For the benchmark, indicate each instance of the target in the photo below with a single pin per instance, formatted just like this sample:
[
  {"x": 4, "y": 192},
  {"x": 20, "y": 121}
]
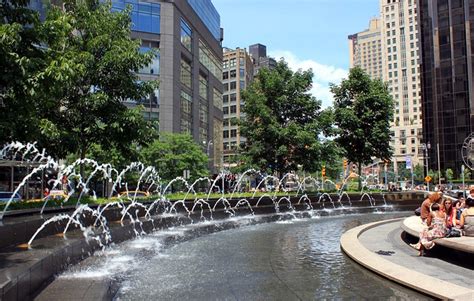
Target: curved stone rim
[{"x": 428, "y": 285}]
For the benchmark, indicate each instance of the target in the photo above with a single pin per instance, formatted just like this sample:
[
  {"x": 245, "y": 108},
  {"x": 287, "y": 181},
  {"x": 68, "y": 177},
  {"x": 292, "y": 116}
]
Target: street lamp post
[
  {"x": 426, "y": 147},
  {"x": 207, "y": 145}
]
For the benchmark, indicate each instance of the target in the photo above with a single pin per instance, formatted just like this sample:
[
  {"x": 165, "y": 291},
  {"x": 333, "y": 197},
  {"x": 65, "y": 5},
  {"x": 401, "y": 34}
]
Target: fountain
[{"x": 158, "y": 211}]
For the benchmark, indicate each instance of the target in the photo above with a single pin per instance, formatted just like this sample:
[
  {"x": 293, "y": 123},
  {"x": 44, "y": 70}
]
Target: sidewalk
[{"x": 380, "y": 248}]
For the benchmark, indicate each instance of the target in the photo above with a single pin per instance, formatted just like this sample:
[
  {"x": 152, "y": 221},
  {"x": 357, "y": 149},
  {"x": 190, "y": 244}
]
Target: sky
[{"x": 307, "y": 33}]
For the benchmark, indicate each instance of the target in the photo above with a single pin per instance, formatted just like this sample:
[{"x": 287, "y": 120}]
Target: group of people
[{"x": 445, "y": 217}]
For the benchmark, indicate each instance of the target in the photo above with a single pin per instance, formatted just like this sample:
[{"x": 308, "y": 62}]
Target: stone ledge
[
  {"x": 413, "y": 226},
  {"x": 431, "y": 286}
]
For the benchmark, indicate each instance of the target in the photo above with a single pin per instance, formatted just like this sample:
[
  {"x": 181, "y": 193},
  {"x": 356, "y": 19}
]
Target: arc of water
[
  {"x": 175, "y": 180},
  {"x": 242, "y": 202},
  {"x": 131, "y": 166},
  {"x": 201, "y": 202},
  {"x": 149, "y": 169},
  {"x": 49, "y": 221},
  {"x": 308, "y": 201},
  {"x": 287, "y": 199},
  {"x": 321, "y": 197},
  {"x": 191, "y": 188},
  {"x": 179, "y": 202},
  {"x": 237, "y": 185},
  {"x": 226, "y": 203},
  {"x": 220, "y": 176},
  {"x": 264, "y": 180},
  {"x": 265, "y": 195},
  {"x": 50, "y": 164},
  {"x": 125, "y": 211}
]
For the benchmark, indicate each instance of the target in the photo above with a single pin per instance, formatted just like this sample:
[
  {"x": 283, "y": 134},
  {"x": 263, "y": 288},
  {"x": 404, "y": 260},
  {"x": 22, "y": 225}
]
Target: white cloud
[{"x": 323, "y": 74}]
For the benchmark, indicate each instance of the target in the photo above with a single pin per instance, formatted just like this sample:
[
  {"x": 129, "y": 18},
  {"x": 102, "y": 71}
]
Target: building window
[
  {"x": 186, "y": 73},
  {"x": 145, "y": 15},
  {"x": 186, "y": 35},
  {"x": 154, "y": 67},
  {"x": 225, "y": 75},
  {"x": 202, "y": 86},
  {"x": 233, "y": 85},
  {"x": 186, "y": 112},
  {"x": 209, "y": 60},
  {"x": 233, "y": 133},
  {"x": 233, "y": 73},
  {"x": 217, "y": 99}
]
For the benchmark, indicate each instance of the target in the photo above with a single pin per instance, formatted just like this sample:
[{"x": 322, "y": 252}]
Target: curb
[{"x": 428, "y": 285}]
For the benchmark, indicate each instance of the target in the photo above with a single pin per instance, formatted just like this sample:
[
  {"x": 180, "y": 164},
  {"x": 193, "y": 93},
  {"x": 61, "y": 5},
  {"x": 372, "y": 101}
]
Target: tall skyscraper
[
  {"x": 188, "y": 36},
  {"x": 237, "y": 75},
  {"x": 365, "y": 49},
  {"x": 401, "y": 73},
  {"x": 447, "y": 41}
]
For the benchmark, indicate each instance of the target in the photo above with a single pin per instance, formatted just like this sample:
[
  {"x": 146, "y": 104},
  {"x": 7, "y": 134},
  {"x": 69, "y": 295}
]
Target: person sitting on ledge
[
  {"x": 436, "y": 222},
  {"x": 450, "y": 211},
  {"x": 460, "y": 206},
  {"x": 425, "y": 206},
  {"x": 467, "y": 218}
]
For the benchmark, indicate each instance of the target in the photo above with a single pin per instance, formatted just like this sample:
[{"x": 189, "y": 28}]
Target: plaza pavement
[{"x": 380, "y": 248}]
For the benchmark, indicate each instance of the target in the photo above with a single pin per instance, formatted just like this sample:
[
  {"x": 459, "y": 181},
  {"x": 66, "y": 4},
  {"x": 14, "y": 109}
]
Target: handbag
[{"x": 454, "y": 232}]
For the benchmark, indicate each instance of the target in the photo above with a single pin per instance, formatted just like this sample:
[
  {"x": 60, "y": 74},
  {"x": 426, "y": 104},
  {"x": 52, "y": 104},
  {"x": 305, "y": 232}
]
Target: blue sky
[{"x": 307, "y": 33}]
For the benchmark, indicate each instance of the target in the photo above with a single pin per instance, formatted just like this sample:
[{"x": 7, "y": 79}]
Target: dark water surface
[{"x": 288, "y": 260}]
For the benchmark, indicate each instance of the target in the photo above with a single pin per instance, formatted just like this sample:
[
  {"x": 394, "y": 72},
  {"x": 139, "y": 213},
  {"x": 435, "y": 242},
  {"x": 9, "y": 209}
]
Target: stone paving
[{"x": 386, "y": 240}]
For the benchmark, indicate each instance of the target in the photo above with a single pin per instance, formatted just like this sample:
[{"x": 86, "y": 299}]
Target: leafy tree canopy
[
  {"x": 363, "y": 110},
  {"x": 20, "y": 59},
  {"x": 283, "y": 122},
  {"x": 75, "y": 94},
  {"x": 174, "y": 153}
]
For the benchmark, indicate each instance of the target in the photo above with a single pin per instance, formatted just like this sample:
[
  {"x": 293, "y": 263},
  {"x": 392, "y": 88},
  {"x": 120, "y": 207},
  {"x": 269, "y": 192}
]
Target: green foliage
[
  {"x": 69, "y": 93},
  {"x": 467, "y": 173},
  {"x": 92, "y": 62},
  {"x": 174, "y": 153},
  {"x": 434, "y": 176},
  {"x": 449, "y": 174},
  {"x": 283, "y": 122},
  {"x": 20, "y": 59},
  {"x": 363, "y": 109},
  {"x": 419, "y": 173}
]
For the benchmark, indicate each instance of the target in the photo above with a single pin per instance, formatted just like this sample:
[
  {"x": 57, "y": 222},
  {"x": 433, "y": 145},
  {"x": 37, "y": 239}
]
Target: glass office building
[{"x": 446, "y": 41}]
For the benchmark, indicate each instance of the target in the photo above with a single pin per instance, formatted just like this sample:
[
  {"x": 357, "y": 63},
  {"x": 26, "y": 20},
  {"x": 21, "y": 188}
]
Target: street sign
[
  {"x": 408, "y": 162},
  {"x": 428, "y": 179}
]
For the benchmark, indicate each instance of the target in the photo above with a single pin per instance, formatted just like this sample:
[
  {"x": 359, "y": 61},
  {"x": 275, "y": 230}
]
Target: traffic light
[
  {"x": 323, "y": 171},
  {"x": 344, "y": 164}
]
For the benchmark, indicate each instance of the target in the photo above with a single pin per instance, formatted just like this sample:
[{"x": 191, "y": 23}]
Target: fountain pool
[{"x": 290, "y": 259}]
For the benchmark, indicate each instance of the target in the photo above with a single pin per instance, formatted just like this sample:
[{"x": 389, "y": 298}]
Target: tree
[
  {"x": 93, "y": 62},
  {"x": 467, "y": 173},
  {"x": 174, "y": 153},
  {"x": 419, "y": 173},
  {"x": 283, "y": 122},
  {"x": 88, "y": 68},
  {"x": 449, "y": 175},
  {"x": 20, "y": 59},
  {"x": 363, "y": 111}
]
